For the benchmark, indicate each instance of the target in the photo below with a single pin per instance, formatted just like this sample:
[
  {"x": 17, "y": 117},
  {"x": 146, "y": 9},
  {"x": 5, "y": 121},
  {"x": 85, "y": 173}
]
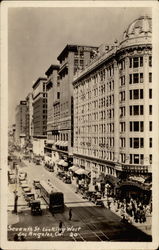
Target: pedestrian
[
  {"x": 60, "y": 227},
  {"x": 70, "y": 213}
]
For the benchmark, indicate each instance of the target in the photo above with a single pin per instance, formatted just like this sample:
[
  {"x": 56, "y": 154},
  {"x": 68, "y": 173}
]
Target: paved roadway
[{"x": 89, "y": 223}]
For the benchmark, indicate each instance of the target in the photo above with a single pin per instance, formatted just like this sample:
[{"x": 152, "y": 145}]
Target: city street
[{"x": 89, "y": 223}]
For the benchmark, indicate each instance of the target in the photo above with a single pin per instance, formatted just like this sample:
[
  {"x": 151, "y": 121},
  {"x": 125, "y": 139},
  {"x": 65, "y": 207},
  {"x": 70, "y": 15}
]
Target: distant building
[
  {"x": 113, "y": 113},
  {"x": 72, "y": 59},
  {"x": 29, "y": 117},
  {"x": 39, "y": 115},
  {"x": 20, "y": 121}
]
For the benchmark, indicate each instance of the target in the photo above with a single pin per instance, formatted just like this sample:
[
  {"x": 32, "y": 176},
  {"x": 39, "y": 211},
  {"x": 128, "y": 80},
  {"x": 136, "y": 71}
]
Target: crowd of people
[{"x": 130, "y": 211}]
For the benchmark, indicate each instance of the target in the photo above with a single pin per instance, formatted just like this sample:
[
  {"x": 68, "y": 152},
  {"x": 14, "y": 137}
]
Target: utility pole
[{"x": 15, "y": 191}]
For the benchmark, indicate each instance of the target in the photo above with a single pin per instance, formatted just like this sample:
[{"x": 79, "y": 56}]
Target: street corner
[{"x": 12, "y": 218}]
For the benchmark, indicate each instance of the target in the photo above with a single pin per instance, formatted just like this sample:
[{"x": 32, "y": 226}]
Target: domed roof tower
[{"x": 140, "y": 26}]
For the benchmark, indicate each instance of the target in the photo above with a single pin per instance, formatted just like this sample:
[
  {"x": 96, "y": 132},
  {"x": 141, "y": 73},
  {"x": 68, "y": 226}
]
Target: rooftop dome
[{"x": 138, "y": 27}]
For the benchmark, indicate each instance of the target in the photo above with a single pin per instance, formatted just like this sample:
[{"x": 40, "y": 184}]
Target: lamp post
[{"x": 15, "y": 191}]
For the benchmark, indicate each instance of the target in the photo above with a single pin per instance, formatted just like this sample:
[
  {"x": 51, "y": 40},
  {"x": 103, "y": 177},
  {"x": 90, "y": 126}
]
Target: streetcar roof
[{"x": 48, "y": 187}]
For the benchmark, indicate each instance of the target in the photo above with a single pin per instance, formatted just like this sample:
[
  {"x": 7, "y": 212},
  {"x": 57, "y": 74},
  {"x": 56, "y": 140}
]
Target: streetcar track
[{"x": 89, "y": 226}]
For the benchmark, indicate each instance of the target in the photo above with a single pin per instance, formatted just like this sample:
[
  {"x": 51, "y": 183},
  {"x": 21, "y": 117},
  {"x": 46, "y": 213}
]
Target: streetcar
[{"x": 52, "y": 196}]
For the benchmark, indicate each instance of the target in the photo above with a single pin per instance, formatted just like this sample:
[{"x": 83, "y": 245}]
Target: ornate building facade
[{"x": 113, "y": 110}]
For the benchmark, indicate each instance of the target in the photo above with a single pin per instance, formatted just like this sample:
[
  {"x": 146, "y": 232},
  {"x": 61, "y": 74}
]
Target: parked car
[
  {"x": 35, "y": 207},
  {"x": 36, "y": 184},
  {"x": 89, "y": 194},
  {"x": 67, "y": 179},
  {"x": 96, "y": 198},
  {"x": 22, "y": 176},
  {"x": 29, "y": 197}
]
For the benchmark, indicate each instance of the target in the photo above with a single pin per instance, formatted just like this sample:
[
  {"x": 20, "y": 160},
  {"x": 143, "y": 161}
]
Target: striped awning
[
  {"x": 73, "y": 168},
  {"x": 81, "y": 171}
]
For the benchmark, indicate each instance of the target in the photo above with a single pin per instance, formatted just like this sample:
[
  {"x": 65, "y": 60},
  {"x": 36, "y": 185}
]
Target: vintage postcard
[{"x": 79, "y": 125}]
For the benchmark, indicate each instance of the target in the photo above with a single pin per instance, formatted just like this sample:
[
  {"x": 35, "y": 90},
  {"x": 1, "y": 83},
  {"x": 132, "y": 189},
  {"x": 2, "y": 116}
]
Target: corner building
[{"x": 113, "y": 114}]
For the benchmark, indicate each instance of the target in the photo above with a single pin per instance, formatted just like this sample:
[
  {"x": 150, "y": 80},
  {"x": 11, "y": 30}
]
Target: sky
[{"x": 36, "y": 36}]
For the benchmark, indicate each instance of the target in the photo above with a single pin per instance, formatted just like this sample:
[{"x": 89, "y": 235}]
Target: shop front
[
  {"x": 111, "y": 183},
  {"x": 140, "y": 192}
]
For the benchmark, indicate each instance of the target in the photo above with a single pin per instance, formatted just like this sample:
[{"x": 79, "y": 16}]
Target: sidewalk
[{"x": 145, "y": 227}]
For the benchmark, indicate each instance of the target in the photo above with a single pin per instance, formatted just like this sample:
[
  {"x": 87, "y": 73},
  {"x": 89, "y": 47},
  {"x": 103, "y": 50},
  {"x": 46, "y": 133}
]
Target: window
[
  {"x": 141, "y": 61},
  {"x": 136, "y": 110},
  {"x": 150, "y": 159},
  {"x": 150, "y": 61},
  {"x": 122, "y": 126},
  {"x": 130, "y": 79},
  {"x": 136, "y": 159},
  {"x": 141, "y": 159},
  {"x": 141, "y": 109},
  {"x": 130, "y": 62},
  {"x": 135, "y": 62},
  {"x": 136, "y": 126},
  {"x": 150, "y": 77},
  {"x": 150, "y": 93},
  {"x": 135, "y": 78},
  {"x": 141, "y": 78},
  {"x": 142, "y": 126},
  {"x": 141, "y": 94},
  {"x": 150, "y": 142},
  {"x": 141, "y": 142},
  {"x": 150, "y": 126},
  {"x": 150, "y": 109},
  {"x": 58, "y": 95},
  {"x": 136, "y": 142},
  {"x": 136, "y": 94}
]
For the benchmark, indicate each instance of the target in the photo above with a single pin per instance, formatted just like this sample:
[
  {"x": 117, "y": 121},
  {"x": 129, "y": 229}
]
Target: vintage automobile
[
  {"x": 67, "y": 179},
  {"x": 29, "y": 197},
  {"x": 35, "y": 207},
  {"x": 22, "y": 176},
  {"x": 61, "y": 175},
  {"x": 36, "y": 184},
  {"x": 96, "y": 198},
  {"x": 88, "y": 195},
  {"x": 11, "y": 177}
]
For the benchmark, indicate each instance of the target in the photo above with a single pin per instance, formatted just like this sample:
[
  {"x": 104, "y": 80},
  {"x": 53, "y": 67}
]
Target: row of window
[
  {"x": 130, "y": 159},
  {"x": 138, "y": 78},
  {"x": 139, "y": 142},
  {"x": 108, "y": 142}
]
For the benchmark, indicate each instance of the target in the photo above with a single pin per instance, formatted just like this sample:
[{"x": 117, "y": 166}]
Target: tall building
[
  {"x": 20, "y": 121},
  {"x": 72, "y": 58},
  {"x": 39, "y": 115},
  {"x": 29, "y": 117},
  {"x": 53, "y": 111},
  {"x": 113, "y": 113}
]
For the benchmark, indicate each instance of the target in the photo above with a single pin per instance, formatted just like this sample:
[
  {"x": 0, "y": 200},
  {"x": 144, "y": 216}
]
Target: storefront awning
[
  {"x": 81, "y": 171},
  {"x": 65, "y": 144},
  {"x": 57, "y": 143},
  {"x": 61, "y": 162},
  {"x": 73, "y": 168},
  {"x": 65, "y": 164}
]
